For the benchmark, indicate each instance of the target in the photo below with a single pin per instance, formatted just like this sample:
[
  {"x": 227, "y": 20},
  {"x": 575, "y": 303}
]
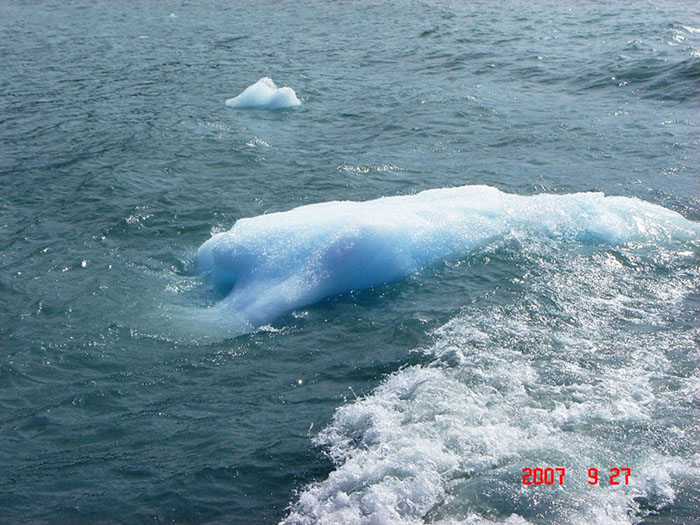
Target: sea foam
[
  {"x": 550, "y": 377},
  {"x": 264, "y": 94},
  {"x": 274, "y": 263}
]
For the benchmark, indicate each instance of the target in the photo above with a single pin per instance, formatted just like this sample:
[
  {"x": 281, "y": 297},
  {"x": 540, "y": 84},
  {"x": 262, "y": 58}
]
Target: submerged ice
[
  {"x": 264, "y": 94},
  {"x": 274, "y": 263}
]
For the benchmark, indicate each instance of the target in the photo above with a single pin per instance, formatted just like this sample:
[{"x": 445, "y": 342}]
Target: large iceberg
[
  {"x": 274, "y": 263},
  {"x": 264, "y": 94}
]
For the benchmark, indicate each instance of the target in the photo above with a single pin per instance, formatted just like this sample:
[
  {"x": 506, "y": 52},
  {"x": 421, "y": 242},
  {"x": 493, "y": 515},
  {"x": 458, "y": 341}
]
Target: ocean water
[{"x": 382, "y": 361}]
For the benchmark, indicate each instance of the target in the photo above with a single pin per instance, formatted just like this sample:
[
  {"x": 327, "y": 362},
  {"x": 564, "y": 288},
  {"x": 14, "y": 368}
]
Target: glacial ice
[
  {"x": 274, "y": 263},
  {"x": 264, "y": 94}
]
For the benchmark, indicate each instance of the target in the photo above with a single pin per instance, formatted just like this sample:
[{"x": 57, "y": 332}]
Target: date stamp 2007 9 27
[{"x": 552, "y": 476}]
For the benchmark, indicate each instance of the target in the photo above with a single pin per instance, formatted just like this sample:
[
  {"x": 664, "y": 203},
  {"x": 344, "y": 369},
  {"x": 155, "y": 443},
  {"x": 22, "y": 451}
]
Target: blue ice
[
  {"x": 275, "y": 263},
  {"x": 264, "y": 94}
]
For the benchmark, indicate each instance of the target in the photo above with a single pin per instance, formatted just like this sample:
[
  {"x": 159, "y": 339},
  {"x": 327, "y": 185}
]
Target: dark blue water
[{"x": 418, "y": 400}]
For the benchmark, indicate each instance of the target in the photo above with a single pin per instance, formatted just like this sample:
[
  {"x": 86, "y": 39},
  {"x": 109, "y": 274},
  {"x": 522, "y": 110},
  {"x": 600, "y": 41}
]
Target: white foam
[
  {"x": 549, "y": 379},
  {"x": 264, "y": 94},
  {"x": 275, "y": 263}
]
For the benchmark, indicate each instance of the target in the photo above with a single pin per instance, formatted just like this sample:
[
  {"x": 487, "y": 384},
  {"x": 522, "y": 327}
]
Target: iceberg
[
  {"x": 264, "y": 94},
  {"x": 274, "y": 263}
]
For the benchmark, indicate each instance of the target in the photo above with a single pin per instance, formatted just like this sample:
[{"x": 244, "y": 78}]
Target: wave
[
  {"x": 655, "y": 77},
  {"x": 271, "y": 264},
  {"x": 264, "y": 94},
  {"x": 587, "y": 363}
]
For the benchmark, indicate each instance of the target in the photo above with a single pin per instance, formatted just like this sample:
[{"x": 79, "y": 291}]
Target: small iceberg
[
  {"x": 271, "y": 264},
  {"x": 264, "y": 94}
]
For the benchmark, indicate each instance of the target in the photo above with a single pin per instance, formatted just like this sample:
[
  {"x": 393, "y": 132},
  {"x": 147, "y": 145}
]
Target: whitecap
[{"x": 553, "y": 378}]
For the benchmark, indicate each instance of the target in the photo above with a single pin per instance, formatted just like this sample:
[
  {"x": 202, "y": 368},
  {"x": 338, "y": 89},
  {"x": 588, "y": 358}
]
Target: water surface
[{"x": 418, "y": 400}]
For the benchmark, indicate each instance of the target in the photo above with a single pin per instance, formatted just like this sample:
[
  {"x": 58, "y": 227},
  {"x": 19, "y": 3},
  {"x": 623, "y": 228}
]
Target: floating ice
[
  {"x": 274, "y": 263},
  {"x": 264, "y": 94}
]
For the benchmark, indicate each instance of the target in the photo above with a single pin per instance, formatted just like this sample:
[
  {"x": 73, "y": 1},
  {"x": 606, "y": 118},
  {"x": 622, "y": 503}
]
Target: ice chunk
[
  {"x": 264, "y": 94},
  {"x": 274, "y": 263}
]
